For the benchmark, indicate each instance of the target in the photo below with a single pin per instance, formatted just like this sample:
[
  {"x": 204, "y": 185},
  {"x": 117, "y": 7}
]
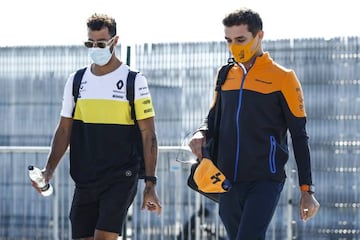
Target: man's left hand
[
  {"x": 308, "y": 206},
  {"x": 150, "y": 200}
]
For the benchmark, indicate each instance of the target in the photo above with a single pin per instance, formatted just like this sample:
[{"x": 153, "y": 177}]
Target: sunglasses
[{"x": 99, "y": 44}]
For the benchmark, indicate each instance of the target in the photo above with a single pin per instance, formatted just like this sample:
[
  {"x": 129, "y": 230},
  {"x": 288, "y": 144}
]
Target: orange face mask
[{"x": 243, "y": 53}]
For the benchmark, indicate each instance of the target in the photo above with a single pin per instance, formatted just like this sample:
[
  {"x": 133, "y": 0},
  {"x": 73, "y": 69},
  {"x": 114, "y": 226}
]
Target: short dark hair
[
  {"x": 97, "y": 22},
  {"x": 244, "y": 16}
]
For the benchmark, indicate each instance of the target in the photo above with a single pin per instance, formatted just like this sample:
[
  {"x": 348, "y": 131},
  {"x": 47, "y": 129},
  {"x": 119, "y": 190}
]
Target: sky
[{"x": 63, "y": 22}]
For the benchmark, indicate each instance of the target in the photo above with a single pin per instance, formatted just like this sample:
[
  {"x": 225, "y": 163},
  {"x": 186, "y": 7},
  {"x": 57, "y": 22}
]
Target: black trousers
[{"x": 247, "y": 209}]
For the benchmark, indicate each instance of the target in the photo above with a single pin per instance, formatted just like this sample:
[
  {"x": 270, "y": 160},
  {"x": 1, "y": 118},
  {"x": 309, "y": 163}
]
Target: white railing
[{"x": 24, "y": 214}]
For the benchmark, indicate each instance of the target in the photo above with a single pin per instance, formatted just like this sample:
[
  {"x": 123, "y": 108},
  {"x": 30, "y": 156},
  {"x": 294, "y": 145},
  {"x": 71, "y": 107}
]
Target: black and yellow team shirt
[{"x": 102, "y": 146}]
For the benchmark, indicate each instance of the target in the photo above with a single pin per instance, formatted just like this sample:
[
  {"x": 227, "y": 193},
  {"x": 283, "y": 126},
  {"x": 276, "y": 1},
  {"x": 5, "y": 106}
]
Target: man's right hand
[
  {"x": 309, "y": 206},
  {"x": 196, "y": 143},
  {"x": 47, "y": 175},
  {"x": 34, "y": 184}
]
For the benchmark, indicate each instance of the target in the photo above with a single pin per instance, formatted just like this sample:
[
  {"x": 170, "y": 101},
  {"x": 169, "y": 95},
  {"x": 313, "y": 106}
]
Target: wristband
[
  {"x": 152, "y": 179},
  {"x": 307, "y": 188}
]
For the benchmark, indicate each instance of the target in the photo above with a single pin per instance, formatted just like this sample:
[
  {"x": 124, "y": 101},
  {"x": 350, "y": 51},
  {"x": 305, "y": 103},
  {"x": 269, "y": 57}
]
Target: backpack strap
[
  {"x": 219, "y": 82},
  {"x": 130, "y": 96},
  {"x": 130, "y": 92},
  {"x": 76, "y": 85},
  {"x": 222, "y": 75}
]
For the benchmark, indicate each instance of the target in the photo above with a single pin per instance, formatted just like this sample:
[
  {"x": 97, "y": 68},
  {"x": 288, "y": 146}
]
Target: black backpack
[{"x": 130, "y": 96}]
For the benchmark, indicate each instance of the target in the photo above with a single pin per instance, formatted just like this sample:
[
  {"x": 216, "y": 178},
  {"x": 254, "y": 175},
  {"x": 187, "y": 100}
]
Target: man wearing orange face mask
[{"x": 261, "y": 102}]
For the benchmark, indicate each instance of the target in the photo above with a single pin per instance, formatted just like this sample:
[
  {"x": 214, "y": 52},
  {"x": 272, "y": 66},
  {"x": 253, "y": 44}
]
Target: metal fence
[
  {"x": 25, "y": 214},
  {"x": 181, "y": 78}
]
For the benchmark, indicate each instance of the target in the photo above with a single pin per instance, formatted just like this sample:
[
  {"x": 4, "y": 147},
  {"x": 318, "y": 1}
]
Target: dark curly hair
[
  {"x": 244, "y": 16},
  {"x": 99, "y": 21}
]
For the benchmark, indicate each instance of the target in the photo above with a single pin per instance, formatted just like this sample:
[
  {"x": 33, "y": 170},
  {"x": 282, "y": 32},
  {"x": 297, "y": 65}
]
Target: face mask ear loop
[
  {"x": 258, "y": 42},
  {"x": 112, "y": 51},
  {"x": 112, "y": 46}
]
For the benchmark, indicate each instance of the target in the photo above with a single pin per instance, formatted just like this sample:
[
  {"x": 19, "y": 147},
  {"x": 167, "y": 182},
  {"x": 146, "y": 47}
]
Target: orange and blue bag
[{"x": 207, "y": 179}]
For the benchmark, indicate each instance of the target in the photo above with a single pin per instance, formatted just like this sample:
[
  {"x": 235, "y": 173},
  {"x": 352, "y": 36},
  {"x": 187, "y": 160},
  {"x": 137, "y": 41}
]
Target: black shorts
[{"x": 103, "y": 207}]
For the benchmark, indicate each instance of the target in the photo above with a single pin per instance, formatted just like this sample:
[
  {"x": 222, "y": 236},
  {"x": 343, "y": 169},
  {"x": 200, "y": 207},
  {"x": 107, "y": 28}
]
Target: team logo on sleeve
[
  {"x": 300, "y": 99},
  {"x": 144, "y": 91},
  {"x": 147, "y": 101}
]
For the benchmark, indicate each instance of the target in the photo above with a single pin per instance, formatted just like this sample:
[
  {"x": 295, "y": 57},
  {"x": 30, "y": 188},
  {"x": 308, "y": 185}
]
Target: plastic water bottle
[{"x": 36, "y": 175}]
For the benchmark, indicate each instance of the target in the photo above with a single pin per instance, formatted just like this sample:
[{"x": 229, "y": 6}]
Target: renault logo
[{"x": 119, "y": 84}]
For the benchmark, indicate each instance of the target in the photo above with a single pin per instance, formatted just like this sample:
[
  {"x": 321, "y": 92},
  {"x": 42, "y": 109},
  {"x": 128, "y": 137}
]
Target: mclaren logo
[
  {"x": 120, "y": 84},
  {"x": 216, "y": 178},
  {"x": 263, "y": 81}
]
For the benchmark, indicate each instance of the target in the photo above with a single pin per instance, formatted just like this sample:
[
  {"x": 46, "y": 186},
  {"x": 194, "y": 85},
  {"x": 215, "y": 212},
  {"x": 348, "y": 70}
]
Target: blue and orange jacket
[{"x": 258, "y": 108}]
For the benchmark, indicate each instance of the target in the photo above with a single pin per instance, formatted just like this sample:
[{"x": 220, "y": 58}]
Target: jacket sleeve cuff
[{"x": 203, "y": 127}]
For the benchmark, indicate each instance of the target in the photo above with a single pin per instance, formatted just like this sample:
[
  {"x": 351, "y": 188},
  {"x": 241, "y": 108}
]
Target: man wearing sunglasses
[{"x": 100, "y": 132}]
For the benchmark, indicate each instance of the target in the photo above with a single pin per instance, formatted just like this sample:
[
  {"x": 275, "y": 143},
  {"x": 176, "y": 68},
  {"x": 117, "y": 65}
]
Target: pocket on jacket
[{"x": 272, "y": 154}]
